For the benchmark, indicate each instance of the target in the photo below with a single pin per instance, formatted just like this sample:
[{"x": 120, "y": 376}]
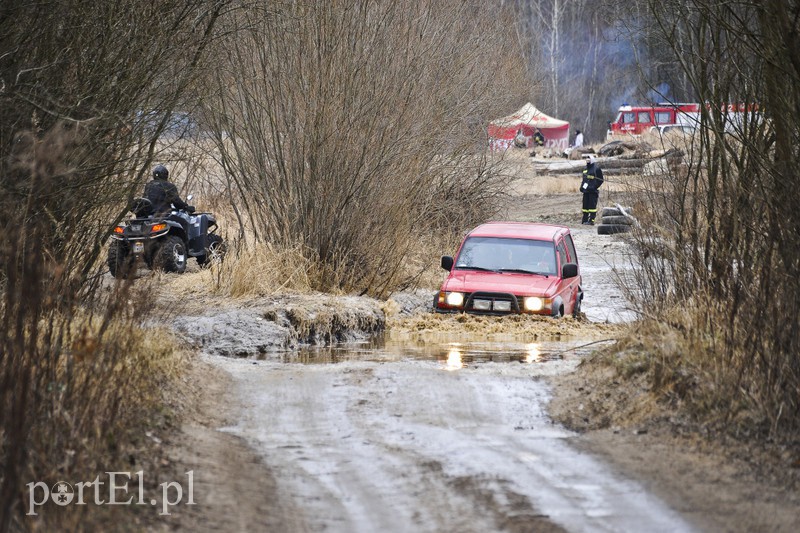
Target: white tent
[{"x": 555, "y": 131}]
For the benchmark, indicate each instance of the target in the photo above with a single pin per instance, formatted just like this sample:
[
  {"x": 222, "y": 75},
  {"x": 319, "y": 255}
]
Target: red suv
[{"x": 513, "y": 267}]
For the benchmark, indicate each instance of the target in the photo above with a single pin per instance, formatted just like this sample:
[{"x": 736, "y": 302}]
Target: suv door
[
  {"x": 573, "y": 255},
  {"x": 572, "y": 286}
]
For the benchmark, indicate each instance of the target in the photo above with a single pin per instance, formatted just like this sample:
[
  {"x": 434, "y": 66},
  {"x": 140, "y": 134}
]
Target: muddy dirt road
[
  {"x": 441, "y": 426},
  {"x": 440, "y": 431},
  {"x": 426, "y": 446}
]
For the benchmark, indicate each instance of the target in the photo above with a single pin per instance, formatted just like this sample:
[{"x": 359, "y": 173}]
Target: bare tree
[
  {"x": 725, "y": 241},
  {"x": 353, "y": 129},
  {"x": 86, "y": 88}
]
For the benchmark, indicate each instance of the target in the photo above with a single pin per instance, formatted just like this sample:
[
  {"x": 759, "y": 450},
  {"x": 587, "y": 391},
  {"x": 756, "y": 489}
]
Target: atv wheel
[
  {"x": 215, "y": 251},
  {"x": 172, "y": 255},
  {"x": 120, "y": 260}
]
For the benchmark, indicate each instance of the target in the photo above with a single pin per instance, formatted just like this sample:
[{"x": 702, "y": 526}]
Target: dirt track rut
[{"x": 411, "y": 446}]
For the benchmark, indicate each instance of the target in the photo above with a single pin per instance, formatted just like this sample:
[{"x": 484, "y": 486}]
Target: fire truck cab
[{"x": 635, "y": 120}]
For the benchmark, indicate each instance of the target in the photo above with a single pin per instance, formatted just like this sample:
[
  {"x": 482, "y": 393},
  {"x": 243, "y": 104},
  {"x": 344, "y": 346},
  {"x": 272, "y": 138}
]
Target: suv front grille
[{"x": 492, "y": 303}]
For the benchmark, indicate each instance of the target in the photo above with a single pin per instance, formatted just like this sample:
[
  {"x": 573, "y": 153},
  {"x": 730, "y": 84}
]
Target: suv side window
[
  {"x": 573, "y": 257},
  {"x": 562, "y": 255}
]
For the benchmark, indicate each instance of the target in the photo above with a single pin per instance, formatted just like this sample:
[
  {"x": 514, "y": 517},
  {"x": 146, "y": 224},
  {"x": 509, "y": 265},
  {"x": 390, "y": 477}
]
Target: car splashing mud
[{"x": 521, "y": 326}]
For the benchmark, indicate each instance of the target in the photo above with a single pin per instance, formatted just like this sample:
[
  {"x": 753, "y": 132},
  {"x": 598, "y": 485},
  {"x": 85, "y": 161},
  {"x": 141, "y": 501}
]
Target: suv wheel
[{"x": 576, "y": 310}]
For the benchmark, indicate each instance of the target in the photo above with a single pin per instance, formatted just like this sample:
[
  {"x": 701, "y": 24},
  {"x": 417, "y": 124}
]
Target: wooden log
[{"x": 573, "y": 167}]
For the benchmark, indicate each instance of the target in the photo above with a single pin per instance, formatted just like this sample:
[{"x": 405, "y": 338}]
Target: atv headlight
[
  {"x": 157, "y": 227},
  {"x": 454, "y": 299},
  {"x": 534, "y": 303},
  {"x": 119, "y": 230}
]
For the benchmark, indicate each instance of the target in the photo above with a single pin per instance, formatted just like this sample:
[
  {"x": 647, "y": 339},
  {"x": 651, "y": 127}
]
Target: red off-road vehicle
[{"x": 513, "y": 267}]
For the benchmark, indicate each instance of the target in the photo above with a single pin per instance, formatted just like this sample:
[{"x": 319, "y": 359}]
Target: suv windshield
[{"x": 503, "y": 254}]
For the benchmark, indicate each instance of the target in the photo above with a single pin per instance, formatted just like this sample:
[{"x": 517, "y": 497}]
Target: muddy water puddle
[{"x": 451, "y": 352}]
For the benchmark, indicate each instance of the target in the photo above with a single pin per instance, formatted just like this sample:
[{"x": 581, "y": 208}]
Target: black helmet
[{"x": 160, "y": 173}]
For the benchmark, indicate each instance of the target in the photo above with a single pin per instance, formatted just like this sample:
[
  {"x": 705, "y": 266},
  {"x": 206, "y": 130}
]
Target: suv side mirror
[
  {"x": 447, "y": 262},
  {"x": 570, "y": 270}
]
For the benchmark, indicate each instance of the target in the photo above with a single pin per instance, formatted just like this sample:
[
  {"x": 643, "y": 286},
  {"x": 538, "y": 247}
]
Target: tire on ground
[
  {"x": 618, "y": 220},
  {"x": 610, "y": 229},
  {"x": 614, "y": 212}
]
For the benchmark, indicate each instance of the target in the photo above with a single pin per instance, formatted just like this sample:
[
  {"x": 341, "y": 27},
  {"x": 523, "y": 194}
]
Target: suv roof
[{"x": 519, "y": 230}]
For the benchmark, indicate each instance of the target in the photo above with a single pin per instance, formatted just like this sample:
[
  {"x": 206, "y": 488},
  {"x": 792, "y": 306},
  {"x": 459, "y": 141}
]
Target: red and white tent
[{"x": 503, "y": 130}]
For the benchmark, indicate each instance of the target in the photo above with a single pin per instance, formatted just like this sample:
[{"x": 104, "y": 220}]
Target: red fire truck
[{"x": 635, "y": 120}]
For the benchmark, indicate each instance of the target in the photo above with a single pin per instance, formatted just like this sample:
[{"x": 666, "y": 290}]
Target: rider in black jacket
[
  {"x": 163, "y": 194},
  {"x": 592, "y": 180}
]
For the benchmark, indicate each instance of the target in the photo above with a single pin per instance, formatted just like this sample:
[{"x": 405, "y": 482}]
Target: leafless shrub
[
  {"x": 721, "y": 242},
  {"x": 86, "y": 90},
  {"x": 66, "y": 370},
  {"x": 350, "y": 130}
]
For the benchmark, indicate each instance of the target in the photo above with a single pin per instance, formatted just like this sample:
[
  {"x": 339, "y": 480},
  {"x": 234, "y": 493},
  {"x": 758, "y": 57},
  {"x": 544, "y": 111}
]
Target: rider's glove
[{"x": 190, "y": 208}]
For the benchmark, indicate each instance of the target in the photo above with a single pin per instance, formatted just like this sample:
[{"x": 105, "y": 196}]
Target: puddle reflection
[
  {"x": 452, "y": 355},
  {"x": 534, "y": 354},
  {"x": 454, "y": 361}
]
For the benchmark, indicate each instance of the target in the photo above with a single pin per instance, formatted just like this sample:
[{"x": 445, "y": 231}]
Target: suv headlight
[
  {"x": 534, "y": 303},
  {"x": 454, "y": 299}
]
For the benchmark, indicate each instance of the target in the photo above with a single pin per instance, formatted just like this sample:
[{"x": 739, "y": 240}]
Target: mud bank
[
  {"x": 266, "y": 327},
  {"x": 719, "y": 484}
]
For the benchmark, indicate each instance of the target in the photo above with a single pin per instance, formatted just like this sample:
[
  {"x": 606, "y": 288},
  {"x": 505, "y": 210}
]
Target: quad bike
[{"x": 165, "y": 242}]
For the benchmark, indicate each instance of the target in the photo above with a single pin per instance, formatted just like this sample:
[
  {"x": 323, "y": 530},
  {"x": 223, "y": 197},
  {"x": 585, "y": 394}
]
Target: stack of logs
[{"x": 617, "y": 157}]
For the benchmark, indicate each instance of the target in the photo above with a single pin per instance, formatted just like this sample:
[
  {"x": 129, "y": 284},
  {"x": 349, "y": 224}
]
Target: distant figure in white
[
  {"x": 577, "y": 144},
  {"x": 578, "y": 139},
  {"x": 520, "y": 139}
]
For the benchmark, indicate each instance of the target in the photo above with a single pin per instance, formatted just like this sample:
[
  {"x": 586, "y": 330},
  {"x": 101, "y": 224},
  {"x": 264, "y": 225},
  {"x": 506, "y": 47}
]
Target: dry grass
[
  {"x": 263, "y": 269},
  {"x": 100, "y": 397},
  {"x": 680, "y": 372},
  {"x": 256, "y": 269}
]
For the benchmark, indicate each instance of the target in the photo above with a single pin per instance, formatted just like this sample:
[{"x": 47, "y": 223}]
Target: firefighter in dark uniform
[
  {"x": 163, "y": 194},
  {"x": 538, "y": 138},
  {"x": 592, "y": 180}
]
